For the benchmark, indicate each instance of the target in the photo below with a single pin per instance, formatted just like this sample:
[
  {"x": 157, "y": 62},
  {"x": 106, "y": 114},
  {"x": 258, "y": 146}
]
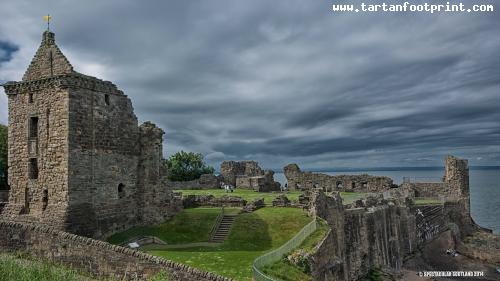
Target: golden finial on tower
[{"x": 47, "y": 18}]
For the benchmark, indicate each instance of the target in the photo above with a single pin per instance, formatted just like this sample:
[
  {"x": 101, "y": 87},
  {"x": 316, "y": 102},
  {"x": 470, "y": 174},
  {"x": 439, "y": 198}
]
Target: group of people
[{"x": 227, "y": 187}]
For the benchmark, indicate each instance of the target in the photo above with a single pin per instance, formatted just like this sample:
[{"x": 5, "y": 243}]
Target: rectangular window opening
[
  {"x": 45, "y": 199},
  {"x": 48, "y": 123},
  {"x": 33, "y": 169},
  {"x": 33, "y": 128}
]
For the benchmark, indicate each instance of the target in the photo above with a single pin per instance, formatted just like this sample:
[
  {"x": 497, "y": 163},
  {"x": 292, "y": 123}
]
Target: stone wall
[
  {"x": 361, "y": 238},
  {"x": 78, "y": 160},
  {"x": 96, "y": 257},
  {"x": 4, "y": 195},
  {"x": 248, "y": 175},
  {"x": 193, "y": 201},
  {"x": 298, "y": 180},
  {"x": 45, "y": 143},
  {"x": 207, "y": 181},
  {"x": 454, "y": 185},
  {"x": 379, "y": 233}
]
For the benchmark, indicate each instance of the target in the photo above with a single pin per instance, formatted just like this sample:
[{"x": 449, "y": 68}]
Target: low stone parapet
[
  {"x": 98, "y": 258},
  {"x": 192, "y": 201}
]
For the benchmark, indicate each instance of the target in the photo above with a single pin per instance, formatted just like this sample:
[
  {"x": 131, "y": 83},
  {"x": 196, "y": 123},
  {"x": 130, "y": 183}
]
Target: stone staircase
[{"x": 222, "y": 230}]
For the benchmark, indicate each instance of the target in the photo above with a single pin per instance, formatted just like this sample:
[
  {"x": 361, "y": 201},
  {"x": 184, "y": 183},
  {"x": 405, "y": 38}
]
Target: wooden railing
[{"x": 216, "y": 224}]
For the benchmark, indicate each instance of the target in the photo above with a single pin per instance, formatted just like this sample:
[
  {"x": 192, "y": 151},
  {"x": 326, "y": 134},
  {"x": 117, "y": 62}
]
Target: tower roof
[{"x": 48, "y": 61}]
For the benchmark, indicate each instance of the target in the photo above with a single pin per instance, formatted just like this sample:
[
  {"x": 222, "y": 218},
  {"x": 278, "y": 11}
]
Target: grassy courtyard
[
  {"x": 252, "y": 235},
  {"x": 248, "y": 195},
  {"x": 350, "y": 197},
  {"x": 189, "y": 226},
  {"x": 428, "y": 201}
]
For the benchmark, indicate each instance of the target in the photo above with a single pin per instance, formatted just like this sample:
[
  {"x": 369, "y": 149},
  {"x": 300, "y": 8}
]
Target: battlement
[{"x": 63, "y": 81}]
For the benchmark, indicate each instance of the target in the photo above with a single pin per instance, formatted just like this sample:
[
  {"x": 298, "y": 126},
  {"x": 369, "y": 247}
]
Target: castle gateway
[{"x": 78, "y": 161}]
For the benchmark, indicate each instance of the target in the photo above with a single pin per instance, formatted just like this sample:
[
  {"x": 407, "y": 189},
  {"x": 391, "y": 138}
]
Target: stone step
[{"x": 223, "y": 229}]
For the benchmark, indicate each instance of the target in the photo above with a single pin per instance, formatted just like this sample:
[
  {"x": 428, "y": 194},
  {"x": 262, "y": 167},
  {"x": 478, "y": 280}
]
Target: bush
[{"x": 187, "y": 166}]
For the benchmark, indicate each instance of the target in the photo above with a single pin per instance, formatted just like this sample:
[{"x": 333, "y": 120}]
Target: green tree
[
  {"x": 186, "y": 166},
  {"x": 3, "y": 156}
]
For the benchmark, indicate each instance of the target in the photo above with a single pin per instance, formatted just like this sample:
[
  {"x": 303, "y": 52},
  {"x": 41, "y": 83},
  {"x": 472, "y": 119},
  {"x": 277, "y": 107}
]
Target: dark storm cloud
[
  {"x": 287, "y": 82},
  {"x": 6, "y": 51}
]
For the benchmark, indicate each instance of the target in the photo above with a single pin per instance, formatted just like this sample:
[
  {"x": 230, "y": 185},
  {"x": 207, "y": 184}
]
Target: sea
[{"x": 484, "y": 188}]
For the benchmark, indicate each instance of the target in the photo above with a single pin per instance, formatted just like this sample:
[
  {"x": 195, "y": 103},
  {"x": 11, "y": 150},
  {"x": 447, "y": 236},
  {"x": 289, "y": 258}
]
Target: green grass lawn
[
  {"x": 252, "y": 235},
  {"x": 428, "y": 201},
  {"x": 22, "y": 269},
  {"x": 283, "y": 270},
  {"x": 191, "y": 225},
  {"x": 350, "y": 197},
  {"x": 248, "y": 195}
]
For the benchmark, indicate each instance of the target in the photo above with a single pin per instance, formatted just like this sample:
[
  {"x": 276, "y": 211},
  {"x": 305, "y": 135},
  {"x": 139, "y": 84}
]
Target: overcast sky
[{"x": 283, "y": 81}]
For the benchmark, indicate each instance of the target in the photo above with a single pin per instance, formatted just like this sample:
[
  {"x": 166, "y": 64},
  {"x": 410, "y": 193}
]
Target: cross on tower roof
[{"x": 47, "y": 18}]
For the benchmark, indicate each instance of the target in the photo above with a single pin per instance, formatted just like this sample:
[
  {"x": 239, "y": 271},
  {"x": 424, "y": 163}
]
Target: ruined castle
[{"x": 78, "y": 160}]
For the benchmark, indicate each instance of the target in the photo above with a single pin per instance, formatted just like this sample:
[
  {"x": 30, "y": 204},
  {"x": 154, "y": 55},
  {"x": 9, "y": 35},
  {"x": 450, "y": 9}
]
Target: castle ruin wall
[
  {"x": 98, "y": 258},
  {"x": 299, "y": 180}
]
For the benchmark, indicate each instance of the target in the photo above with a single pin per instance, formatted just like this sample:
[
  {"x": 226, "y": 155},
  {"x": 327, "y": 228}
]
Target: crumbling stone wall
[
  {"x": 206, "y": 181},
  {"x": 99, "y": 258},
  {"x": 193, "y": 201},
  {"x": 97, "y": 171},
  {"x": 457, "y": 175},
  {"x": 300, "y": 180},
  {"x": 231, "y": 169},
  {"x": 360, "y": 238},
  {"x": 248, "y": 174},
  {"x": 379, "y": 232},
  {"x": 455, "y": 183}
]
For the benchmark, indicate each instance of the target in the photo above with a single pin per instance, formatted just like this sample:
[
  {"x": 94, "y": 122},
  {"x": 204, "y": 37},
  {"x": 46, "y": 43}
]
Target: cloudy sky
[{"x": 283, "y": 81}]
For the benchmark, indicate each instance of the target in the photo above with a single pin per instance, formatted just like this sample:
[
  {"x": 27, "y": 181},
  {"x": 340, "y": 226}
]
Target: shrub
[{"x": 186, "y": 166}]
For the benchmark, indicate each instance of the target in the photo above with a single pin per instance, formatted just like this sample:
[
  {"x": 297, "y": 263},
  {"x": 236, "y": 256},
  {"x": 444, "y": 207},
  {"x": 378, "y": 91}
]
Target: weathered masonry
[
  {"x": 299, "y": 180},
  {"x": 455, "y": 182},
  {"x": 78, "y": 161},
  {"x": 248, "y": 175}
]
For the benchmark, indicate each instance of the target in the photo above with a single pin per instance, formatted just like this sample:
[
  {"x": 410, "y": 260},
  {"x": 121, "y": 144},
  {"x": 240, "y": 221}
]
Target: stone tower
[
  {"x": 78, "y": 160},
  {"x": 456, "y": 174}
]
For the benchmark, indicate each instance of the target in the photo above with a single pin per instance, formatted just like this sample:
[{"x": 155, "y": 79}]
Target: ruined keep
[
  {"x": 78, "y": 161},
  {"x": 248, "y": 174},
  {"x": 300, "y": 180},
  {"x": 454, "y": 184}
]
